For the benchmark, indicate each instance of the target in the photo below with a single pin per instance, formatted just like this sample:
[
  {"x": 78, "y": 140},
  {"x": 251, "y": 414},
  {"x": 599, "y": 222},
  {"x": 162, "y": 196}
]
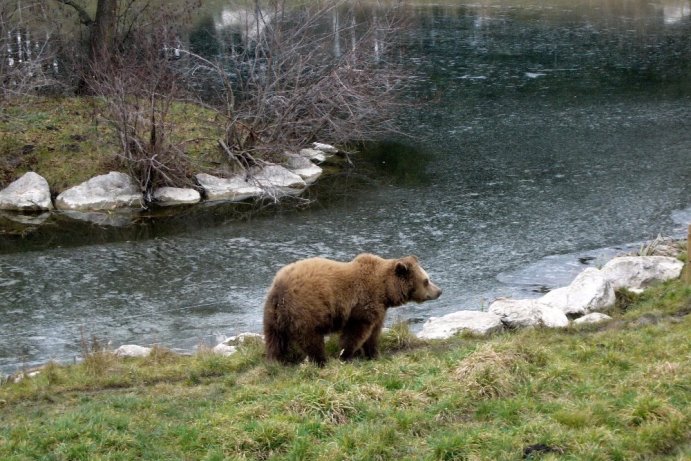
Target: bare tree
[
  {"x": 103, "y": 26},
  {"x": 28, "y": 49}
]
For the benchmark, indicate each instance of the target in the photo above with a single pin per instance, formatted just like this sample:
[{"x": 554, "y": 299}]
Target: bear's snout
[{"x": 434, "y": 292}]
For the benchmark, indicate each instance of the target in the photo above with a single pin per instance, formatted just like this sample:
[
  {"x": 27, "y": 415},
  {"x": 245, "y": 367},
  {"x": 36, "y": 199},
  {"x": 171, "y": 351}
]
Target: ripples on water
[{"x": 546, "y": 135}]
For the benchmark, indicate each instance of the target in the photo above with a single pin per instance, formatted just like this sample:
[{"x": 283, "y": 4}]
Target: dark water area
[{"x": 540, "y": 133}]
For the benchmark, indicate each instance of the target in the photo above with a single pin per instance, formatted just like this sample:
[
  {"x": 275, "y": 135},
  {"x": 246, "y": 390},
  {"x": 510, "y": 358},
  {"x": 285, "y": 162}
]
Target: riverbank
[
  {"x": 66, "y": 141},
  {"x": 617, "y": 390},
  {"x": 59, "y": 166}
]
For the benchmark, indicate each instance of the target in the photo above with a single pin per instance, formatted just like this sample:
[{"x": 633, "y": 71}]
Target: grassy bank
[
  {"x": 67, "y": 140},
  {"x": 615, "y": 391}
]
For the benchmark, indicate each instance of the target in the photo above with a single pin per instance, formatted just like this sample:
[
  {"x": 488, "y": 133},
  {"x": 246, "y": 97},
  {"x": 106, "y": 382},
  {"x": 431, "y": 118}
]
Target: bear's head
[{"x": 413, "y": 281}]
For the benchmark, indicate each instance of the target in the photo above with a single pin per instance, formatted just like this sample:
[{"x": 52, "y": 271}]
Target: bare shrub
[
  {"x": 138, "y": 87},
  {"x": 138, "y": 98},
  {"x": 293, "y": 75}
]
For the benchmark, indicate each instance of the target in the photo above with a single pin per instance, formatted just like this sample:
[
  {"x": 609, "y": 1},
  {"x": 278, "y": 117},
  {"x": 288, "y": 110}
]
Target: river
[{"x": 542, "y": 132}]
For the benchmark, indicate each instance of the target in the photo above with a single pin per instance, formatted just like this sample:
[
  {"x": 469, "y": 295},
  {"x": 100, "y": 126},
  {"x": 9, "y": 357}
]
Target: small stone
[
  {"x": 554, "y": 318},
  {"x": 326, "y": 148},
  {"x": 241, "y": 338},
  {"x": 224, "y": 349},
  {"x": 593, "y": 317},
  {"x": 132, "y": 350},
  {"x": 589, "y": 291},
  {"x": 301, "y": 166},
  {"x": 234, "y": 189},
  {"x": 517, "y": 313},
  {"x": 169, "y": 196},
  {"x": 276, "y": 181},
  {"x": 313, "y": 155},
  {"x": 520, "y": 313}
]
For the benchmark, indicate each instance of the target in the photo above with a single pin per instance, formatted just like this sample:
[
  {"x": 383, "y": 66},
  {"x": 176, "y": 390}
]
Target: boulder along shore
[{"x": 28, "y": 200}]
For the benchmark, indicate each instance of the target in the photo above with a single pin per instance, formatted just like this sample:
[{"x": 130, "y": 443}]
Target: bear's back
[{"x": 312, "y": 277}]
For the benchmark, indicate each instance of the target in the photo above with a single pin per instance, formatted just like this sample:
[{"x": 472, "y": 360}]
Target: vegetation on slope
[
  {"x": 67, "y": 141},
  {"x": 620, "y": 390}
]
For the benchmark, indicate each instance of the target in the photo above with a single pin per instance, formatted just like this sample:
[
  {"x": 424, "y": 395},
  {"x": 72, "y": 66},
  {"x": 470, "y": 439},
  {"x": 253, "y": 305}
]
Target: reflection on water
[
  {"x": 546, "y": 129},
  {"x": 676, "y": 12}
]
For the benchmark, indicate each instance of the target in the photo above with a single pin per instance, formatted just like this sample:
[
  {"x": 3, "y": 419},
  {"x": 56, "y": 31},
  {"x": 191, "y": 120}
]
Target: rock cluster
[
  {"x": 590, "y": 292},
  {"x": 116, "y": 191}
]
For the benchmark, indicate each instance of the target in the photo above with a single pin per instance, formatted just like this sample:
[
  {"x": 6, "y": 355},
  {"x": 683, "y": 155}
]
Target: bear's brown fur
[{"x": 311, "y": 298}]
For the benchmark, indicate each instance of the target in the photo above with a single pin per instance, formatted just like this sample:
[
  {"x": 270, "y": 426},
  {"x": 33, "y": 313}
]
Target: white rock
[
  {"x": 314, "y": 155},
  {"x": 554, "y": 318},
  {"x": 477, "y": 322},
  {"x": 234, "y": 189},
  {"x": 104, "y": 192},
  {"x": 593, "y": 317},
  {"x": 639, "y": 272},
  {"x": 517, "y": 313},
  {"x": 224, "y": 349},
  {"x": 132, "y": 350},
  {"x": 301, "y": 166},
  {"x": 18, "y": 378},
  {"x": 241, "y": 338},
  {"x": 326, "y": 148},
  {"x": 589, "y": 291},
  {"x": 276, "y": 181},
  {"x": 28, "y": 193},
  {"x": 168, "y": 196}
]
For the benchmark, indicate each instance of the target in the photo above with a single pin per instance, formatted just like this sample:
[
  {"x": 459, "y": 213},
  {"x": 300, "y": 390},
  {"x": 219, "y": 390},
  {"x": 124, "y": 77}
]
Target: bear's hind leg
[
  {"x": 279, "y": 346},
  {"x": 371, "y": 346},
  {"x": 277, "y": 343}
]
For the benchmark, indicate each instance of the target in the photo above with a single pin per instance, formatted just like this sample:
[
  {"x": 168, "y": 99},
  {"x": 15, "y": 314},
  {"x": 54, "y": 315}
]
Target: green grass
[
  {"x": 618, "y": 391},
  {"x": 67, "y": 140}
]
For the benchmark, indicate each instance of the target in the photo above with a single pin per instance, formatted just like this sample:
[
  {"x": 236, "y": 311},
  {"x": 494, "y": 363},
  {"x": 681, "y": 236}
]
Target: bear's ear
[{"x": 402, "y": 268}]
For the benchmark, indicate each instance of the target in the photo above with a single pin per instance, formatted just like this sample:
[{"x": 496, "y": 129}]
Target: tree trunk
[
  {"x": 101, "y": 34},
  {"x": 103, "y": 30},
  {"x": 103, "y": 26}
]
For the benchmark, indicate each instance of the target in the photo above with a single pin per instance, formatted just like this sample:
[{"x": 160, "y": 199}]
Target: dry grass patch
[{"x": 488, "y": 373}]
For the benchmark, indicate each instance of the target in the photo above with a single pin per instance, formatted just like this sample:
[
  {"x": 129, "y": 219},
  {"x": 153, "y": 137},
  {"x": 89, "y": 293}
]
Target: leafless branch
[
  {"x": 305, "y": 73},
  {"x": 84, "y": 16}
]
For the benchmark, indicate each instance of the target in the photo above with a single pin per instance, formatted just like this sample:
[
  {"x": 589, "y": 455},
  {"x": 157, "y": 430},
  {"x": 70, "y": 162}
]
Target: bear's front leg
[
  {"x": 353, "y": 337},
  {"x": 371, "y": 346}
]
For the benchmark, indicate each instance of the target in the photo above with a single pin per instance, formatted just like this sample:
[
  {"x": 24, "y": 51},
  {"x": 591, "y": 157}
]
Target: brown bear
[{"x": 311, "y": 298}]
